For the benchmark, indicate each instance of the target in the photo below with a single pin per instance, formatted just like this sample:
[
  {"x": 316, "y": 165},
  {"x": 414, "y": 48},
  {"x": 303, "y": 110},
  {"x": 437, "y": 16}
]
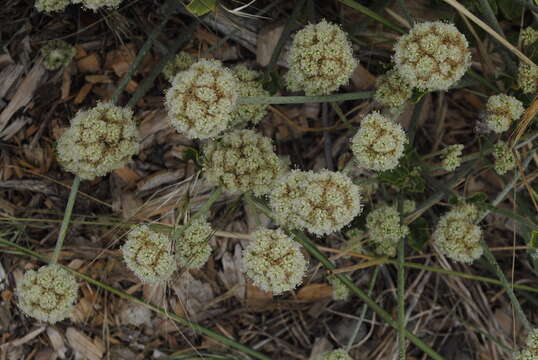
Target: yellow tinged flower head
[
  {"x": 98, "y": 141},
  {"x": 339, "y": 354},
  {"x": 192, "y": 248},
  {"x": 504, "y": 158},
  {"x": 48, "y": 294},
  {"x": 181, "y": 62},
  {"x": 249, "y": 84},
  {"x": 531, "y": 347},
  {"x": 242, "y": 161},
  {"x": 379, "y": 144},
  {"x": 457, "y": 237},
  {"x": 274, "y": 261},
  {"x": 528, "y": 36},
  {"x": 149, "y": 254},
  {"x": 432, "y": 56},
  {"x": 97, "y": 4},
  {"x": 50, "y": 6},
  {"x": 452, "y": 157},
  {"x": 501, "y": 111},
  {"x": 57, "y": 54},
  {"x": 202, "y": 99},
  {"x": 392, "y": 90},
  {"x": 527, "y": 78},
  {"x": 385, "y": 229},
  {"x": 320, "y": 59},
  {"x": 321, "y": 202}
]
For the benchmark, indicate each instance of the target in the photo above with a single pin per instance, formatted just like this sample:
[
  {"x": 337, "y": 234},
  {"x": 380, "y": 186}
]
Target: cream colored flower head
[
  {"x": 432, "y": 56},
  {"x": 97, "y": 4},
  {"x": 99, "y": 140},
  {"x": 48, "y": 294},
  {"x": 379, "y": 144},
  {"x": 320, "y": 203},
  {"x": 202, "y": 99},
  {"x": 242, "y": 161},
  {"x": 501, "y": 111},
  {"x": 149, "y": 254},
  {"x": 452, "y": 157},
  {"x": 181, "y": 62},
  {"x": 50, "y": 6},
  {"x": 249, "y": 84},
  {"x": 528, "y": 36},
  {"x": 339, "y": 354},
  {"x": 530, "y": 352},
  {"x": 527, "y": 78},
  {"x": 392, "y": 90},
  {"x": 340, "y": 290},
  {"x": 57, "y": 54},
  {"x": 385, "y": 229},
  {"x": 274, "y": 261},
  {"x": 456, "y": 235},
  {"x": 192, "y": 248},
  {"x": 504, "y": 158},
  {"x": 320, "y": 59}
]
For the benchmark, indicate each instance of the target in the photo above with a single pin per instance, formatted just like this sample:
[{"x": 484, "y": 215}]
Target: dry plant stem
[{"x": 66, "y": 220}]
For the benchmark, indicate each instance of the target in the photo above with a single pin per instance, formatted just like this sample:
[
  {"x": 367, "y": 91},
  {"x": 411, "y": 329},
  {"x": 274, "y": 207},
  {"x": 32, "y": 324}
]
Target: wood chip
[
  {"x": 84, "y": 91},
  {"x": 98, "y": 79},
  {"x": 90, "y": 64},
  {"x": 57, "y": 342},
  {"x": 84, "y": 345},
  {"x": 8, "y": 77},
  {"x": 314, "y": 292},
  {"x": 266, "y": 43}
]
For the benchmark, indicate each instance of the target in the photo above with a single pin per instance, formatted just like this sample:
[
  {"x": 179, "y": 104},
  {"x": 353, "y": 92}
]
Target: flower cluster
[
  {"x": 48, "y": 294},
  {"x": 97, "y": 4},
  {"x": 340, "y": 290},
  {"x": 98, "y": 141},
  {"x": 392, "y": 90},
  {"x": 274, "y": 261},
  {"x": 527, "y": 78},
  {"x": 528, "y": 36},
  {"x": 249, "y": 84},
  {"x": 379, "y": 143},
  {"x": 385, "y": 229},
  {"x": 320, "y": 59},
  {"x": 432, "y": 56},
  {"x": 179, "y": 63},
  {"x": 149, "y": 254},
  {"x": 50, "y": 6},
  {"x": 57, "y": 54},
  {"x": 456, "y": 235},
  {"x": 530, "y": 352},
  {"x": 202, "y": 99},
  {"x": 192, "y": 248},
  {"x": 452, "y": 157},
  {"x": 242, "y": 161},
  {"x": 339, "y": 354},
  {"x": 504, "y": 158},
  {"x": 321, "y": 202},
  {"x": 501, "y": 111}
]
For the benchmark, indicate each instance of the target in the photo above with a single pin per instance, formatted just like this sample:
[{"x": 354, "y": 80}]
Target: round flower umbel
[
  {"x": 50, "y": 6},
  {"x": 274, "y": 261},
  {"x": 501, "y": 111},
  {"x": 527, "y": 78},
  {"x": 528, "y": 36},
  {"x": 379, "y": 143},
  {"x": 432, "y": 56},
  {"x": 242, "y": 161},
  {"x": 97, "y": 4},
  {"x": 320, "y": 59},
  {"x": 149, "y": 254},
  {"x": 202, "y": 99},
  {"x": 192, "y": 248},
  {"x": 48, "y": 294},
  {"x": 456, "y": 235},
  {"x": 249, "y": 84},
  {"x": 392, "y": 90},
  {"x": 98, "y": 141},
  {"x": 321, "y": 202},
  {"x": 181, "y": 62},
  {"x": 530, "y": 352},
  {"x": 504, "y": 158},
  {"x": 339, "y": 354},
  {"x": 452, "y": 157},
  {"x": 57, "y": 54},
  {"x": 385, "y": 229}
]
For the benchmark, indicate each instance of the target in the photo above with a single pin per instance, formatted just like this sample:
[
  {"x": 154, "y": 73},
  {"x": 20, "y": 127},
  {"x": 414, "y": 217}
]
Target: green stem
[
  {"x": 363, "y": 9},
  {"x": 304, "y": 99},
  {"x": 66, "y": 220}
]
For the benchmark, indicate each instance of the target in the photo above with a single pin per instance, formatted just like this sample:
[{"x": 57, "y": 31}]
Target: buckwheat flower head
[
  {"x": 249, "y": 84},
  {"x": 98, "y": 141},
  {"x": 242, "y": 161},
  {"x": 202, "y": 99},
  {"x": 452, "y": 157},
  {"x": 321, "y": 202},
  {"x": 97, "y": 4},
  {"x": 432, "y": 56},
  {"x": 504, "y": 158},
  {"x": 456, "y": 235},
  {"x": 192, "y": 248},
  {"x": 409, "y": 206},
  {"x": 385, "y": 229},
  {"x": 181, "y": 62},
  {"x": 379, "y": 143},
  {"x": 149, "y": 254},
  {"x": 528, "y": 36},
  {"x": 392, "y": 90},
  {"x": 501, "y": 111},
  {"x": 527, "y": 78},
  {"x": 274, "y": 261},
  {"x": 339, "y": 354},
  {"x": 57, "y": 54},
  {"x": 530, "y": 352},
  {"x": 48, "y": 294},
  {"x": 320, "y": 59},
  {"x": 340, "y": 291},
  {"x": 50, "y": 6}
]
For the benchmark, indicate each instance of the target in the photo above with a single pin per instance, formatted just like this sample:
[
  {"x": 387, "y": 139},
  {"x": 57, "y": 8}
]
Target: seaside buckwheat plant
[
  {"x": 242, "y": 161},
  {"x": 50, "y": 6},
  {"x": 57, "y": 54},
  {"x": 192, "y": 248},
  {"x": 451, "y": 157},
  {"x": 149, "y": 254},
  {"x": 202, "y": 99},
  {"x": 530, "y": 352},
  {"x": 320, "y": 203},
  {"x": 528, "y": 36},
  {"x": 181, "y": 62},
  {"x": 504, "y": 158},
  {"x": 249, "y": 84},
  {"x": 392, "y": 90},
  {"x": 274, "y": 261},
  {"x": 432, "y": 56},
  {"x": 98, "y": 141},
  {"x": 340, "y": 291},
  {"x": 501, "y": 111},
  {"x": 320, "y": 59},
  {"x": 339, "y": 354},
  {"x": 456, "y": 235},
  {"x": 97, "y": 4},
  {"x": 527, "y": 78},
  {"x": 379, "y": 143},
  {"x": 48, "y": 294},
  {"x": 385, "y": 229}
]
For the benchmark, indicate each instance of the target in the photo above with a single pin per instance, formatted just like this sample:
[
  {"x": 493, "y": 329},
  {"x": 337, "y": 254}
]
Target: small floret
[
  {"x": 528, "y": 36},
  {"x": 249, "y": 84},
  {"x": 50, "y": 6},
  {"x": 501, "y": 111},
  {"x": 340, "y": 290},
  {"x": 527, "y": 78},
  {"x": 504, "y": 158},
  {"x": 392, "y": 90},
  {"x": 530, "y": 352},
  {"x": 181, "y": 62},
  {"x": 97, "y": 4},
  {"x": 192, "y": 248},
  {"x": 452, "y": 157},
  {"x": 339, "y": 354},
  {"x": 385, "y": 229},
  {"x": 57, "y": 54}
]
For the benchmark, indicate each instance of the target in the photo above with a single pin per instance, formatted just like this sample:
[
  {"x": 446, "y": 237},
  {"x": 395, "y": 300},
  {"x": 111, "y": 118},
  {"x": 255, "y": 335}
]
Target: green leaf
[
  {"x": 201, "y": 7},
  {"x": 419, "y": 233},
  {"x": 479, "y": 199},
  {"x": 533, "y": 243}
]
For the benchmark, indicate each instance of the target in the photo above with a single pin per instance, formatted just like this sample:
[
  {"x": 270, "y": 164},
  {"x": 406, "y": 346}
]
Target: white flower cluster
[
  {"x": 97, "y": 4},
  {"x": 528, "y": 36},
  {"x": 320, "y": 59},
  {"x": 452, "y": 157},
  {"x": 392, "y": 90},
  {"x": 340, "y": 290},
  {"x": 530, "y": 352},
  {"x": 339, "y": 354},
  {"x": 57, "y": 54},
  {"x": 179, "y": 63},
  {"x": 501, "y": 111},
  {"x": 60, "y": 5},
  {"x": 249, "y": 84},
  {"x": 379, "y": 144},
  {"x": 504, "y": 158},
  {"x": 385, "y": 229},
  {"x": 527, "y": 78},
  {"x": 192, "y": 248},
  {"x": 321, "y": 202}
]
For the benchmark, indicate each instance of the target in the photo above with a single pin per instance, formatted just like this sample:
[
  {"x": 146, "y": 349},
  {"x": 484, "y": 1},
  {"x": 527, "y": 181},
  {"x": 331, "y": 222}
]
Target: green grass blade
[
  {"x": 67, "y": 218},
  {"x": 304, "y": 99},
  {"x": 363, "y": 9}
]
